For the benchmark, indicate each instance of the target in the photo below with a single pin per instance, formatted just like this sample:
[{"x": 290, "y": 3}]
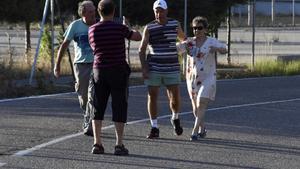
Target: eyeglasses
[{"x": 199, "y": 28}]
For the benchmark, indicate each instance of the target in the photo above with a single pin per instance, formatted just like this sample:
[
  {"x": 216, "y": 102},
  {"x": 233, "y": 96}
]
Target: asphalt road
[{"x": 254, "y": 123}]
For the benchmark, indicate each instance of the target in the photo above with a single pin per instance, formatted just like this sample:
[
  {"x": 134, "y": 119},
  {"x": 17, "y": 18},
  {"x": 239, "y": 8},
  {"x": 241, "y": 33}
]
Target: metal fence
[{"x": 274, "y": 36}]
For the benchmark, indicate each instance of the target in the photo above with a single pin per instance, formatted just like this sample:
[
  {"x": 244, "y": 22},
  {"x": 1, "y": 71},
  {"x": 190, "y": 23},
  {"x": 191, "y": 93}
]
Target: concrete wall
[{"x": 264, "y": 7}]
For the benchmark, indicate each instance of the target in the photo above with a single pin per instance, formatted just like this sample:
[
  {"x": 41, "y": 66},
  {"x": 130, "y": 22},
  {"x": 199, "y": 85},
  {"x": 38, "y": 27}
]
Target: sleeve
[
  {"x": 219, "y": 44},
  {"x": 69, "y": 34}
]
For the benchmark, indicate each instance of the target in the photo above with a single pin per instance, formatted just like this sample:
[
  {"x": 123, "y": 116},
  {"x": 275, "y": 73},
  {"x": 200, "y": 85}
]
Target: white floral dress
[{"x": 200, "y": 68}]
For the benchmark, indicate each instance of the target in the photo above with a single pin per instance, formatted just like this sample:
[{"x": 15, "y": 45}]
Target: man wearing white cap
[{"x": 161, "y": 66}]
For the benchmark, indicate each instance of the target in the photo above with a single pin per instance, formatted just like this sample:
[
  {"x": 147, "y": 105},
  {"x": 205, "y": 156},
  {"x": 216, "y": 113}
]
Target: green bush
[{"x": 45, "y": 50}]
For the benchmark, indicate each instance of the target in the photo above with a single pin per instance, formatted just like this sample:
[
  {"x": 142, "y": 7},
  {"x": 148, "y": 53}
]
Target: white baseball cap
[{"x": 160, "y": 3}]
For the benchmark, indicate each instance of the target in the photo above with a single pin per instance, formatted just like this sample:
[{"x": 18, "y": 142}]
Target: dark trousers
[{"x": 112, "y": 81}]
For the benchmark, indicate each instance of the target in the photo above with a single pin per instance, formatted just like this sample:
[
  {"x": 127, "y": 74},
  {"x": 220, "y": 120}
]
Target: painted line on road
[
  {"x": 2, "y": 164},
  {"x": 139, "y": 86},
  {"x": 50, "y": 95},
  {"x": 33, "y": 97},
  {"x": 254, "y": 104},
  {"x": 256, "y": 78},
  {"x": 28, "y": 151}
]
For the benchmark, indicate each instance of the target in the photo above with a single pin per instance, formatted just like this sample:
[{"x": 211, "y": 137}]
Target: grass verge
[{"x": 10, "y": 86}]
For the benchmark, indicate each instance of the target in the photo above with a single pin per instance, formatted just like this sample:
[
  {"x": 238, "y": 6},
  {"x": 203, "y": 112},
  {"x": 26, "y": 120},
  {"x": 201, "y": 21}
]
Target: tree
[
  {"x": 16, "y": 11},
  {"x": 141, "y": 12}
]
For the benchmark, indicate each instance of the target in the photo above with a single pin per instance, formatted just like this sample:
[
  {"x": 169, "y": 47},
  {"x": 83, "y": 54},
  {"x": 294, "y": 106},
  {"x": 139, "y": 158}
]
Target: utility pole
[
  {"x": 240, "y": 16},
  {"x": 120, "y": 9},
  {"x": 272, "y": 12},
  {"x": 39, "y": 41},
  {"x": 293, "y": 20},
  {"x": 63, "y": 29},
  {"x": 229, "y": 35},
  {"x": 253, "y": 32},
  {"x": 250, "y": 12},
  {"x": 52, "y": 41},
  {"x": 185, "y": 16}
]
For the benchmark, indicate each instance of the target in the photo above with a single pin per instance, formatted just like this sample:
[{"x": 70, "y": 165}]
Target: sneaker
[
  {"x": 87, "y": 128},
  {"x": 202, "y": 134},
  {"x": 120, "y": 150},
  {"x": 194, "y": 138},
  {"x": 177, "y": 128},
  {"x": 97, "y": 149},
  {"x": 88, "y": 131},
  {"x": 154, "y": 133}
]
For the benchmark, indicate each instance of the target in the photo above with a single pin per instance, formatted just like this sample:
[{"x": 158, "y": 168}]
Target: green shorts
[{"x": 159, "y": 79}]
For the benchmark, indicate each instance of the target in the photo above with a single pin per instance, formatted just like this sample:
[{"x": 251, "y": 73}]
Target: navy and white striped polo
[{"x": 162, "y": 56}]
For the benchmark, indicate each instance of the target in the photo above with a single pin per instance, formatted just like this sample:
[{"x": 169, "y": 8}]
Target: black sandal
[{"x": 97, "y": 149}]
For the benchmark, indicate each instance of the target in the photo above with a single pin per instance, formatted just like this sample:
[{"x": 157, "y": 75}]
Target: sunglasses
[{"x": 199, "y": 28}]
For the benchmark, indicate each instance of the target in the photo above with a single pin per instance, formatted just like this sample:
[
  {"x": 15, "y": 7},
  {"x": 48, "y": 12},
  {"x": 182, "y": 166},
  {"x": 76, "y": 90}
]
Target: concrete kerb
[{"x": 288, "y": 58}]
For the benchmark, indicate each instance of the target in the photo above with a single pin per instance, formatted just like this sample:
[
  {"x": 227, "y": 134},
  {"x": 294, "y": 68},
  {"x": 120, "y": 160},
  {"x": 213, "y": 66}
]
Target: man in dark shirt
[{"x": 111, "y": 73}]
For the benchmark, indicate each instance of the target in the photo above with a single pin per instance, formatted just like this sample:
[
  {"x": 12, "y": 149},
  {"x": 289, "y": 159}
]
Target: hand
[
  {"x": 126, "y": 22},
  {"x": 145, "y": 72},
  {"x": 213, "y": 49},
  {"x": 56, "y": 71}
]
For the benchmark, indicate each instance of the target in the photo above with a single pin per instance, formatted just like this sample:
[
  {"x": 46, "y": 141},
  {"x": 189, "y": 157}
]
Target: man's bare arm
[
  {"x": 61, "y": 51},
  {"x": 180, "y": 34},
  {"x": 142, "y": 52},
  {"x": 136, "y": 36}
]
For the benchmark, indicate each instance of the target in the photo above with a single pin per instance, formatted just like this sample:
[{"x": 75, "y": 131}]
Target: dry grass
[
  {"x": 264, "y": 68},
  {"x": 14, "y": 79},
  {"x": 9, "y": 86}
]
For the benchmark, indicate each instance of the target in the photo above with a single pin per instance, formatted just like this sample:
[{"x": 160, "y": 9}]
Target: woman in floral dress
[{"x": 200, "y": 71}]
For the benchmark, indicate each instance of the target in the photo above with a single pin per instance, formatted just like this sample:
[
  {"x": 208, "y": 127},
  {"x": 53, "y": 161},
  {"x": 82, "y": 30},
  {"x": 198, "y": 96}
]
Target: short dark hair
[
  {"x": 106, "y": 7},
  {"x": 202, "y": 20}
]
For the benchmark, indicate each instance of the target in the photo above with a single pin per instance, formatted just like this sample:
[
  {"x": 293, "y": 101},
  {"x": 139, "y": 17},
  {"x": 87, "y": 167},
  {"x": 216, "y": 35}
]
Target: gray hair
[
  {"x": 81, "y": 6},
  {"x": 202, "y": 20}
]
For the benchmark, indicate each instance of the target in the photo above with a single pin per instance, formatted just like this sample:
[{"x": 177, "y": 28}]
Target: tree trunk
[
  {"x": 27, "y": 42},
  {"x": 63, "y": 28}
]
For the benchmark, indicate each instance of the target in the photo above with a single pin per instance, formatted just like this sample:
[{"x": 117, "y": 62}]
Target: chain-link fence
[
  {"x": 276, "y": 31},
  {"x": 275, "y": 35}
]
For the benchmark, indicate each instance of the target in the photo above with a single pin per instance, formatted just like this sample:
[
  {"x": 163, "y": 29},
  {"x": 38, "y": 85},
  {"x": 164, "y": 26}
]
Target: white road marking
[
  {"x": 28, "y": 151},
  {"x": 33, "y": 97},
  {"x": 50, "y": 95},
  {"x": 2, "y": 164},
  {"x": 134, "y": 87},
  {"x": 256, "y": 78},
  {"x": 254, "y": 104}
]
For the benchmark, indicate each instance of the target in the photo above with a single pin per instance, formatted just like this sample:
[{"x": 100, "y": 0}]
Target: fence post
[
  {"x": 9, "y": 51},
  {"x": 253, "y": 32}
]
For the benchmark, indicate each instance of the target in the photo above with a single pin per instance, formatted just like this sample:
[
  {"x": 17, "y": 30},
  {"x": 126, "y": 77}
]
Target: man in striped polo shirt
[
  {"x": 161, "y": 67},
  {"x": 111, "y": 73}
]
